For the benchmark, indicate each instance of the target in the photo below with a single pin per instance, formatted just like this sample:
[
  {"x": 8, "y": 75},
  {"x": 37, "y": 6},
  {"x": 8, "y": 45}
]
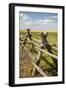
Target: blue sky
[{"x": 38, "y": 20}]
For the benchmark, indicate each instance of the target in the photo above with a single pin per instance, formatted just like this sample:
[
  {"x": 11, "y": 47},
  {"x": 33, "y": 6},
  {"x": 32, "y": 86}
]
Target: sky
[{"x": 38, "y": 21}]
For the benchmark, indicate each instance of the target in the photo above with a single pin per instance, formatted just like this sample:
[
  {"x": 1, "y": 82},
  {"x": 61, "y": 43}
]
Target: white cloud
[
  {"x": 44, "y": 21},
  {"x": 28, "y": 22},
  {"x": 54, "y": 17},
  {"x": 24, "y": 17},
  {"x": 25, "y": 21},
  {"x": 48, "y": 20}
]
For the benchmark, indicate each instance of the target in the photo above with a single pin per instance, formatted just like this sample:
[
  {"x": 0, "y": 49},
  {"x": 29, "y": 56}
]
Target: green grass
[
  {"x": 50, "y": 30},
  {"x": 52, "y": 38}
]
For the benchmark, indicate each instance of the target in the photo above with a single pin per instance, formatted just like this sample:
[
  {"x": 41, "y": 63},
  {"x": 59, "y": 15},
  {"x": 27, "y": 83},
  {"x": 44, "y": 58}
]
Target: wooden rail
[
  {"x": 36, "y": 39},
  {"x": 40, "y": 42},
  {"x": 38, "y": 47},
  {"x": 40, "y": 50},
  {"x": 35, "y": 66}
]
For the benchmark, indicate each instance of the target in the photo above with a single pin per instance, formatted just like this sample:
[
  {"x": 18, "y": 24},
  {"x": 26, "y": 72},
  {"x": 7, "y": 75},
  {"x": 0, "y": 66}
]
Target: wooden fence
[{"x": 30, "y": 39}]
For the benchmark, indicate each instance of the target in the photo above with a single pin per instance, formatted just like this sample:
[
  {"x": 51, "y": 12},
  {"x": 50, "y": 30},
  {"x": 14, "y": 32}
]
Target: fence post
[
  {"x": 30, "y": 37},
  {"x": 46, "y": 45}
]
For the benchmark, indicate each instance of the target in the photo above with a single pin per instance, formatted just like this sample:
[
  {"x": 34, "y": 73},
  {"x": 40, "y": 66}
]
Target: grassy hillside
[{"x": 46, "y": 62}]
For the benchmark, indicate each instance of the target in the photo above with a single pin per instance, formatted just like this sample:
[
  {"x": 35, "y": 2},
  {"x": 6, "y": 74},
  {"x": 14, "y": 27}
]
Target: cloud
[
  {"x": 24, "y": 17},
  {"x": 54, "y": 17},
  {"x": 43, "y": 23},
  {"x": 49, "y": 21},
  {"x": 25, "y": 21}
]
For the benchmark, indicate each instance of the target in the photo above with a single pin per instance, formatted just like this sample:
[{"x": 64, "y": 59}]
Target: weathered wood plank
[
  {"x": 36, "y": 67},
  {"x": 38, "y": 47},
  {"x": 40, "y": 42},
  {"x": 39, "y": 70}
]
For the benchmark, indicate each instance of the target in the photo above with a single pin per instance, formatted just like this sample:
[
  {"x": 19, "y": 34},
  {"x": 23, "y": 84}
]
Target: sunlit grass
[
  {"x": 50, "y": 30},
  {"x": 52, "y": 39}
]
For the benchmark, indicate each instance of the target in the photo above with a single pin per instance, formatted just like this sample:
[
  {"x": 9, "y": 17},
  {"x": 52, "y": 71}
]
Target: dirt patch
[{"x": 25, "y": 64}]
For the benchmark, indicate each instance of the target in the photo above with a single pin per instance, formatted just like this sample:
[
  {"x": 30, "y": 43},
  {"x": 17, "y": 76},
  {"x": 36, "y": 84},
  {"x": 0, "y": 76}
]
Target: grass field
[
  {"x": 46, "y": 62},
  {"x": 40, "y": 30}
]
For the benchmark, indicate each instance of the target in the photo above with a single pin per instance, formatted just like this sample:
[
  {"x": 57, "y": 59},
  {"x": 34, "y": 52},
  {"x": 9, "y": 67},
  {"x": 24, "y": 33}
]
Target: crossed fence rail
[{"x": 28, "y": 38}]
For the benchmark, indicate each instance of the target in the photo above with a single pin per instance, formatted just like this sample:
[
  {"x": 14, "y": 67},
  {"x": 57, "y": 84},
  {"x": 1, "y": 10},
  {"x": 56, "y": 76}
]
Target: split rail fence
[{"x": 36, "y": 60}]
